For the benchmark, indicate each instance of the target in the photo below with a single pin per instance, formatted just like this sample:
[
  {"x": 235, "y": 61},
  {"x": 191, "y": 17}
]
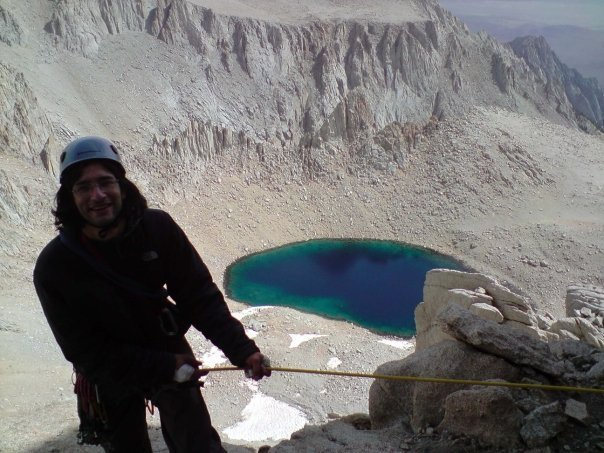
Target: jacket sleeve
[
  {"x": 191, "y": 286},
  {"x": 102, "y": 358}
]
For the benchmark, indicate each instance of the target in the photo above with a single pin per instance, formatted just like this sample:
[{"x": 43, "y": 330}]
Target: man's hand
[
  {"x": 256, "y": 366},
  {"x": 189, "y": 359}
]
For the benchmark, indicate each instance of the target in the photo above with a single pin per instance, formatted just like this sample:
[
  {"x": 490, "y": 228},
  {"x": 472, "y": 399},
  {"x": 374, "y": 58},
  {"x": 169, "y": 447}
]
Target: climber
[{"x": 101, "y": 286}]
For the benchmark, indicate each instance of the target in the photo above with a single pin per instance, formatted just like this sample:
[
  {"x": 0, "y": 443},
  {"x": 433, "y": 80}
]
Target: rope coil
[{"x": 560, "y": 388}]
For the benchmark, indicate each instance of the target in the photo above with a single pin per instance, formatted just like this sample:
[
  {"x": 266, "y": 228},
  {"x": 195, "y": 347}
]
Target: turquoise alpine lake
[{"x": 373, "y": 283}]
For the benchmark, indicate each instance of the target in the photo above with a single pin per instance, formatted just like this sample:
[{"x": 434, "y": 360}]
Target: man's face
[{"x": 97, "y": 195}]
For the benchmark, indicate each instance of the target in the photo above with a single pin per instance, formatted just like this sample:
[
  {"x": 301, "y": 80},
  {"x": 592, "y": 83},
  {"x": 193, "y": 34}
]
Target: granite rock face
[
  {"x": 199, "y": 136},
  {"x": 459, "y": 337},
  {"x": 585, "y": 301},
  {"x": 11, "y": 32},
  {"x": 309, "y": 87},
  {"x": 24, "y": 127},
  {"x": 543, "y": 424},
  {"x": 420, "y": 404},
  {"x": 501, "y": 340},
  {"x": 585, "y": 311},
  {"x": 25, "y": 134},
  {"x": 584, "y": 94},
  {"x": 474, "y": 292},
  {"x": 486, "y": 298},
  {"x": 488, "y": 414},
  {"x": 80, "y": 26}
]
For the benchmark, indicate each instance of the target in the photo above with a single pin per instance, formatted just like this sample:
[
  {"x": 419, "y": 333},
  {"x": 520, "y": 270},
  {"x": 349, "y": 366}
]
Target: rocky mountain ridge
[
  {"x": 328, "y": 83},
  {"x": 585, "y": 94}
]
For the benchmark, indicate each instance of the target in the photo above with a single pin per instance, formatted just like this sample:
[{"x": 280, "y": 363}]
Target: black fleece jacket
[{"x": 112, "y": 335}]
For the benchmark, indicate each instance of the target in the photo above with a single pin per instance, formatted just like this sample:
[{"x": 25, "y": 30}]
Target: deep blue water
[{"x": 375, "y": 284}]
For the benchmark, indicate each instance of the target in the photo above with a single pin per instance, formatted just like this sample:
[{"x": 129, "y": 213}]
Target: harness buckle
[{"x": 167, "y": 323}]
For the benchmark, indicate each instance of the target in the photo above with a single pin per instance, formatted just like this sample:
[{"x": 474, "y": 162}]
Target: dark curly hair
[{"x": 66, "y": 213}]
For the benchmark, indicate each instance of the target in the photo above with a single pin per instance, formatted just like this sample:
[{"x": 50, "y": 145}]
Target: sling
[
  {"x": 171, "y": 320},
  {"x": 125, "y": 282}
]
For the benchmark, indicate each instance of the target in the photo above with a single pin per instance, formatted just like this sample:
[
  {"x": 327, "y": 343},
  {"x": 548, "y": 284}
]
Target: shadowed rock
[
  {"x": 488, "y": 414},
  {"x": 543, "y": 424},
  {"x": 420, "y": 404}
]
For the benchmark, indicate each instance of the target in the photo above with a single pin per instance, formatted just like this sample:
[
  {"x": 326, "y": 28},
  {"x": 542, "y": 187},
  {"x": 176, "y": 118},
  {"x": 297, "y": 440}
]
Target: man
[{"x": 101, "y": 285}]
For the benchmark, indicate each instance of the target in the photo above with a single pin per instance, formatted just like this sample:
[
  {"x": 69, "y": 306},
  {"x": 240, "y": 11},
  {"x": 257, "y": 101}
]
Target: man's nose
[{"x": 97, "y": 192}]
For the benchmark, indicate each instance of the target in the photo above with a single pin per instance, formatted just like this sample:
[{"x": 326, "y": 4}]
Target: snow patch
[
  {"x": 399, "y": 344},
  {"x": 266, "y": 418},
  {"x": 298, "y": 339},
  {"x": 251, "y": 333},
  {"x": 250, "y": 384},
  {"x": 333, "y": 363},
  {"x": 249, "y": 311},
  {"x": 212, "y": 358}
]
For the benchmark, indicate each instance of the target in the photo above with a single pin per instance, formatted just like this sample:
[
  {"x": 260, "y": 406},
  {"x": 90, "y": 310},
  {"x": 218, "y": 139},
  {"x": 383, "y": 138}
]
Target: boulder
[
  {"x": 566, "y": 349},
  {"x": 470, "y": 327},
  {"x": 551, "y": 336},
  {"x": 487, "y": 414},
  {"x": 436, "y": 298},
  {"x": 569, "y": 324},
  {"x": 584, "y": 296},
  {"x": 544, "y": 321},
  {"x": 443, "y": 287},
  {"x": 576, "y": 410},
  {"x": 543, "y": 424},
  {"x": 532, "y": 330},
  {"x": 501, "y": 340},
  {"x": 513, "y": 313},
  {"x": 487, "y": 312},
  {"x": 581, "y": 328},
  {"x": 439, "y": 281},
  {"x": 421, "y": 404},
  {"x": 586, "y": 312},
  {"x": 427, "y": 332},
  {"x": 566, "y": 335},
  {"x": 596, "y": 373},
  {"x": 466, "y": 297},
  {"x": 50, "y": 156}
]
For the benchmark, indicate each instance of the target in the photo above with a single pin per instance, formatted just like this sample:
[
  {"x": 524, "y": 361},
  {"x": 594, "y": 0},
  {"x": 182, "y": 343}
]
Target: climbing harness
[
  {"x": 150, "y": 406},
  {"x": 560, "y": 388},
  {"x": 92, "y": 415}
]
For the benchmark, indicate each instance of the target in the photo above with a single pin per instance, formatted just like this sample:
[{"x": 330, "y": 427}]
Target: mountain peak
[{"x": 584, "y": 94}]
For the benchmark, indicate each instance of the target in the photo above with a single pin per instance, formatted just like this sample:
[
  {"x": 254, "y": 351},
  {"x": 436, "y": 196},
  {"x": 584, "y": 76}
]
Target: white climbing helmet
[{"x": 87, "y": 148}]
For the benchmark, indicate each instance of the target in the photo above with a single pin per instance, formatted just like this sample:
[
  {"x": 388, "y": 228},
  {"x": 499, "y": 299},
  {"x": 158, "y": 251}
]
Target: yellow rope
[{"x": 561, "y": 388}]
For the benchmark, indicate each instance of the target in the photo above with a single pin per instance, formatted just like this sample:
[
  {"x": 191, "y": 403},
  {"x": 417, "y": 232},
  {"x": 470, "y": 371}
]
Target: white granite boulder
[
  {"x": 487, "y": 312},
  {"x": 490, "y": 300},
  {"x": 501, "y": 340},
  {"x": 581, "y": 328},
  {"x": 471, "y": 327},
  {"x": 584, "y": 296}
]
